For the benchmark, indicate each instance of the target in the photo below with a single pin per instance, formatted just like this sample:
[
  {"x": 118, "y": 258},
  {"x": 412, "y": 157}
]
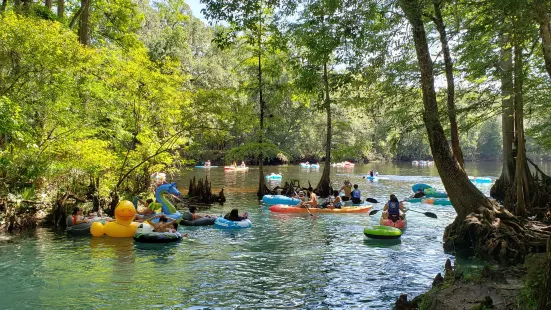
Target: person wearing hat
[{"x": 300, "y": 196}]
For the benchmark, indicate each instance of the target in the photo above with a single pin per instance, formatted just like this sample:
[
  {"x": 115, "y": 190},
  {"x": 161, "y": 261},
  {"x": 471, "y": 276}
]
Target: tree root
[{"x": 495, "y": 234}]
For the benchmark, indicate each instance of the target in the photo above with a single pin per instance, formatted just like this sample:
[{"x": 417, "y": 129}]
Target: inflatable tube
[
  {"x": 401, "y": 224},
  {"x": 273, "y": 177},
  {"x": 370, "y": 178},
  {"x": 303, "y": 165},
  {"x": 291, "y": 209},
  {"x": 480, "y": 180},
  {"x": 205, "y": 221},
  {"x": 438, "y": 201},
  {"x": 227, "y": 224},
  {"x": 144, "y": 233},
  {"x": 382, "y": 232},
  {"x": 280, "y": 200},
  {"x": 80, "y": 229},
  {"x": 420, "y": 186},
  {"x": 206, "y": 167},
  {"x": 314, "y": 166},
  {"x": 432, "y": 193}
]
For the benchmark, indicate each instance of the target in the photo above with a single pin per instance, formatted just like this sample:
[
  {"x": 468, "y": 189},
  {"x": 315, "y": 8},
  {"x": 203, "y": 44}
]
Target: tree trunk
[
  {"x": 324, "y": 185},
  {"x": 48, "y": 4},
  {"x": 261, "y": 181},
  {"x": 60, "y": 9},
  {"x": 454, "y": 132},
  {"x": 4, "y": 5},
  {"x": 520, "y": 180},
  {"x": 464, "y": 196},
  {"x": 84, "y": 23},
  {"x": 542, "y": 16},
  {"x": 504, "y": 183}
]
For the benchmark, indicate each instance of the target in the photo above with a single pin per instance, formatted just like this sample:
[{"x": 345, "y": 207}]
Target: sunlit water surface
[{"x": 283, "y": 261}]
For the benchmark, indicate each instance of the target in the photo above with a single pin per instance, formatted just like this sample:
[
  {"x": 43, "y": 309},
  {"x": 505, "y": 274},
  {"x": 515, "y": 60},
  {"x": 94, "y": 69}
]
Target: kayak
[
  {"x": 280, "y": 200},
  {"x": 206, "y": 167},
  {"x": 414, "y": 200},
  {"x": 398, "y": 224},
  {"x": 420, "y": 186},
  {"x": 273, "y": 177},
  {"x": 232, "y": 168},
  {"x": 438, "y": 201},
  {"x": 480, "y": 180},
  {"x": 291, "y": 209},
  {"x": 382, "y": 232}
]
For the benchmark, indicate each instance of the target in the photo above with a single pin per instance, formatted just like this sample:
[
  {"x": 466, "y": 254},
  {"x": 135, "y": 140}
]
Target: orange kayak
[{"x": 292, "y": 209}]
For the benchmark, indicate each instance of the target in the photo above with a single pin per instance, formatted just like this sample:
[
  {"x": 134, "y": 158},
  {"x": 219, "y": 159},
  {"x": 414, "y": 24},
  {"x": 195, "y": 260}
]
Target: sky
[{"x": 196, "y": 7}]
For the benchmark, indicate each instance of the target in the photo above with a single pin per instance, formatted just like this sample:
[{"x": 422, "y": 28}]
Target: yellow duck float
[{"x": 122, "y": 227}]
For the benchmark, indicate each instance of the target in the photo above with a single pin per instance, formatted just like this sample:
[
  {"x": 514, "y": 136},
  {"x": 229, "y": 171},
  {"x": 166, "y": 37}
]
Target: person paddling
[
  {"x": 394, "y": 209},
  {"x": 312, "y": 203}
]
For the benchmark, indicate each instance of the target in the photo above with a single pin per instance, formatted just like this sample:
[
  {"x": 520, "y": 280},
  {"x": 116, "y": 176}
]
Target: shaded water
[{"x": 283, "y": 261}]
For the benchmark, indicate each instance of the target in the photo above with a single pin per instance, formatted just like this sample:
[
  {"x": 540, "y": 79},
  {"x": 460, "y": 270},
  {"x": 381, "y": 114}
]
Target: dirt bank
[{"x": 484, "y": 287}]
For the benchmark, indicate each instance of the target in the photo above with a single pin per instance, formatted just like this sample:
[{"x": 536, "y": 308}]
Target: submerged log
[{"x": 200, "y": 192}]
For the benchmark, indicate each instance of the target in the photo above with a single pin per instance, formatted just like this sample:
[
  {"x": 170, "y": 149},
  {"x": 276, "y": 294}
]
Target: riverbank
[{"x": 487, "y": 287}]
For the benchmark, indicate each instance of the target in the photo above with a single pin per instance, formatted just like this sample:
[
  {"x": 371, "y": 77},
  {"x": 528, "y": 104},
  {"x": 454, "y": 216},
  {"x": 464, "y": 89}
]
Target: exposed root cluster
[{"x": 494, "y": 233}]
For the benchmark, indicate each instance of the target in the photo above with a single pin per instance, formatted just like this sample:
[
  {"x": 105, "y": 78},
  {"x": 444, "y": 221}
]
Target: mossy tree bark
[{"x": 324, "y": 186}]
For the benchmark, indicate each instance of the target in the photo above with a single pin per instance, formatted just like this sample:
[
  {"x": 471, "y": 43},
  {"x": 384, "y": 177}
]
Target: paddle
[{"x": 429, "y": 214}]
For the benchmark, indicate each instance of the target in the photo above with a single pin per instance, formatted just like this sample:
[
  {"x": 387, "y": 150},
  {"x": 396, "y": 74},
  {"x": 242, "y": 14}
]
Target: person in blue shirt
[{"x": 356, "y": 195}]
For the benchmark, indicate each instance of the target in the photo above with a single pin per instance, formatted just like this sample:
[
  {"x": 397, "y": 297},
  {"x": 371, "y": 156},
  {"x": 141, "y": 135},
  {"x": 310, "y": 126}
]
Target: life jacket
[
  {"x": 74, "y": 220},
  {"x": 356, "y": 194},
  {"x": 393, "y": 207}
]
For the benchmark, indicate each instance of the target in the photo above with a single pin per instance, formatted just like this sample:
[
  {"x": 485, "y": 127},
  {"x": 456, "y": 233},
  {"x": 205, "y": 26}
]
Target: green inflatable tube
[{"x": 382, "y": 232}]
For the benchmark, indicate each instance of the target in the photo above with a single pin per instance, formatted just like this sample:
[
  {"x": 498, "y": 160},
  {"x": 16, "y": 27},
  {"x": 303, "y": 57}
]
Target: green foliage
[{"x": 251, "y": 150}]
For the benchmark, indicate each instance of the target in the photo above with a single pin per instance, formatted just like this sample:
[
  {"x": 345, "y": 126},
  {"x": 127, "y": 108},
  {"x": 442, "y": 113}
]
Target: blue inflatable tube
[
  {"x": 227, "y": 224},
  {"x": 315, "y": 166},
  {"x": 370, "y": 178},
  {"x": 273, "y": 177},
  {"x": 480, "y": 180},
  {"x": 280, "y": 200}
]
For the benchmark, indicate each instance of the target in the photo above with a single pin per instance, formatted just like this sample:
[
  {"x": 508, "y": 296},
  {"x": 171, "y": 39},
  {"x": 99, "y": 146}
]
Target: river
[{"x": 283, "y": 261}]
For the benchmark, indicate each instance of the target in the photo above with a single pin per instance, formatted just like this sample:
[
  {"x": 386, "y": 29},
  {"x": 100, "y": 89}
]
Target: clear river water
[{"x": 283, "y": 261}]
